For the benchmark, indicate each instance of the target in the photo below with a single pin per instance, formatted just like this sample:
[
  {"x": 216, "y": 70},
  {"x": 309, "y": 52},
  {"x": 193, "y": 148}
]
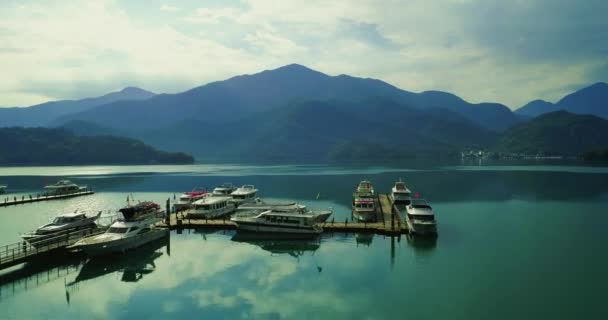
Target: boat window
[
  {"x": 422, "y": 217},
  {"x": 133, "y": 229},
  {"x": 144, "y": 230},
  {"x": 117, "y": 230},
  {"x": 421, "y": 206}
]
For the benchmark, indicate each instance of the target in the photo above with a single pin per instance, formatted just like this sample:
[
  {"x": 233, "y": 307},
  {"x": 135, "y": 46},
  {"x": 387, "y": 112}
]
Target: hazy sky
[{"x": 482, "y": 50}]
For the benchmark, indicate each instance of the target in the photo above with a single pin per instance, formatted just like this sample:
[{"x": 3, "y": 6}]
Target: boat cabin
[{"x": 211, "y": 204}]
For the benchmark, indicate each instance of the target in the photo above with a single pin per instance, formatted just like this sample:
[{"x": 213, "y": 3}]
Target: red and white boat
[{"x": 187, "y": 198}]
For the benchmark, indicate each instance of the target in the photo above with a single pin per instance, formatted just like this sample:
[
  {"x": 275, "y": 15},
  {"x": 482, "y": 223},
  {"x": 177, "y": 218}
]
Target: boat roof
[
  {"x": 212, "y": 200},
  {"x": 70, "y": 214},
  {"x": 245, "y": 190},
  {"x": 286, "y": 214}
]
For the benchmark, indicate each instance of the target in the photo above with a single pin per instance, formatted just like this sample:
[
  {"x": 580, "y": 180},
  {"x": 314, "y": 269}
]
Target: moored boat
[
  {"x": 2, "y": 188},
  {"x": 223, "y": 190},
  {"x": 261, "y": 205},
  {"x": 211, "y": 208},
  {"x": 244, "y": 194},
  {"x": 364, "y": 202},
  {"x": 400, "y": 194},
  {"x": 135, "y": 229},
  {"x": 63, "y": 223},
  {"x": 63, "y": 187},
  {"x": 278, "y": 222},
  {"x": 420, "y": 218},
  {"x": 187, "y": 198}
]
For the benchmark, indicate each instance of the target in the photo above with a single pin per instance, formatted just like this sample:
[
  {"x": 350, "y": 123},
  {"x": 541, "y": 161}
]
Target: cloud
[
  {"x": 509, "y": 52},
  {"x": 169, "y": 8}
]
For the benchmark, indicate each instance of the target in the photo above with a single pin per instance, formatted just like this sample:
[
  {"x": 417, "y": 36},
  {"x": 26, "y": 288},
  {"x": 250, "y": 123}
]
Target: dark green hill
[
  {"x": 326, "y": 130},
  {"x": 62, "y": 147},
  {"x": 556, "y": 133}
]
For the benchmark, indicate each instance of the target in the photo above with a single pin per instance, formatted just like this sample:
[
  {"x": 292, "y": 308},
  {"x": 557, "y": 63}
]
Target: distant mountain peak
[{"x": 135, "y": 90}]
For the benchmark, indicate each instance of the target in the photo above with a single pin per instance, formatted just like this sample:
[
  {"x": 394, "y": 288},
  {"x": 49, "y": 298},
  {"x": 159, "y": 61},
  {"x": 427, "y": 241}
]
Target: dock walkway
[
  {"x": 21, "y": 252},
  {"x": 15, "y": 201}
]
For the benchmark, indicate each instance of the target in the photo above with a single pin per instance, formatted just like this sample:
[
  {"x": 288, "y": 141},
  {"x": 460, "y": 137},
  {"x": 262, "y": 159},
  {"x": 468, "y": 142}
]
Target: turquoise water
[{"x": 524, "y": 242}]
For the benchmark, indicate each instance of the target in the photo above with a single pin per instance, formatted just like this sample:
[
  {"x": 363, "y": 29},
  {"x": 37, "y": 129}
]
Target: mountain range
[
  {"x": 590, "y": 100},
  {"x": 294, "y": 112},
  {"x": 45, "y": 114}
]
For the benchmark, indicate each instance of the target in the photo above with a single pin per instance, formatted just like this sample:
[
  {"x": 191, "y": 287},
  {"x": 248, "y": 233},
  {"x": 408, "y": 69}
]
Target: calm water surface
[{"x": 525, "y": 242}]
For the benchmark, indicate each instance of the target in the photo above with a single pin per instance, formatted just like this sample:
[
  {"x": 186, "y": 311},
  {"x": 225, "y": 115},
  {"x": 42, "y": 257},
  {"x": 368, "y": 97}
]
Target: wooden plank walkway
[
  {"x": 389, "y": 224},
  {"x": 5, "y": 203},
  {"x": 21, "y": 252}
]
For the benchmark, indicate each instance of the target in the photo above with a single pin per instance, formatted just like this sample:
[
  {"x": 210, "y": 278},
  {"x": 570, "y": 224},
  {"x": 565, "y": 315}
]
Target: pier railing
[{"x": 22, "y": 251}]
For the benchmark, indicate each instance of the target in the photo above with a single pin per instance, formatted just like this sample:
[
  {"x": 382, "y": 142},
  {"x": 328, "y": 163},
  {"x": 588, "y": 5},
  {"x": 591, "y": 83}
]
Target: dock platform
[
  {"x": 389, "y": 222},
  {"x": 15, "y": 201}
]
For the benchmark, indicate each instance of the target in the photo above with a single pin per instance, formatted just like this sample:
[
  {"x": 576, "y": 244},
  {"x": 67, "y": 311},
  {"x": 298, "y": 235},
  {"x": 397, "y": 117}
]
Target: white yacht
[
  {"x": 420, "y": 218},
  {"x": 400, "y": 194},
  {"x": 261, "y": 205},
  {"x": 62, "y": 223},
  {"x": 364, "y": 202},
  {"x": 246, "y": 193},
  {"x": 225, "y": 189},
  {"x": 134, "y": 230},
  {"x": 278, "y": 222},
  {"x": 63, "y": 187},
  {"x": 187, "y": 198},
  {"x": 211, "y": 207}
]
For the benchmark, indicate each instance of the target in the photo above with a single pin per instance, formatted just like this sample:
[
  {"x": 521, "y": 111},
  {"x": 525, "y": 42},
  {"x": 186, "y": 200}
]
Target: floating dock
[
  {"x": 389, "y": 222},
  {"x": 15, "y": 201}
]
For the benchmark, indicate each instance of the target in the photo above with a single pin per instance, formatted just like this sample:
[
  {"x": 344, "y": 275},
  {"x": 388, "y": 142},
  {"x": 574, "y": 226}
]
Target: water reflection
[
  {"x": 364, "y": 239},
  {"x": 133, "y": 265},
  {"x": 279, "y": 244},
  {"x": 421, "y": 244}
]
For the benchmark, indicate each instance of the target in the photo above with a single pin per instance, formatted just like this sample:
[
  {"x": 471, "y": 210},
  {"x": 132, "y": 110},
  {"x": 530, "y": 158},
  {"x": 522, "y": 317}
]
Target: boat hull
[
  {"x": 365, "y": 216},
  {"x": 122, "y": 244},
  {"x": 425, "y": 229}
]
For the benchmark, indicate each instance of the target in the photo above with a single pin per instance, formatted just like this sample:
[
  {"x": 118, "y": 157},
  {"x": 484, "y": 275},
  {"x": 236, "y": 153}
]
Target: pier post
[{"x": 168, "y": 213}]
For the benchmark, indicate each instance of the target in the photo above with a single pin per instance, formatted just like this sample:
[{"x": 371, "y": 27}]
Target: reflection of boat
[
  {"x": 133, "y": 265},
  {"x": 364, "y": 202},
  {"x": 63, "y": 187},
  {"x": 134, "y": 230},
  {"x": 246, "y": 193},
  {"x": 225, "y": 189},
  {"x": 420, "y": 218},
  {"x": 187, "y": 198},
  {"x": 421, "y": 243},
  {"x": 211, "y": 207},
  {"x": 400, "y": 194},
  {"x": 278, "y": 222},
  {"x": 279, "y": 245},
  {"x": 63, "y": 223},
  {"x": 364, "y": 238}
]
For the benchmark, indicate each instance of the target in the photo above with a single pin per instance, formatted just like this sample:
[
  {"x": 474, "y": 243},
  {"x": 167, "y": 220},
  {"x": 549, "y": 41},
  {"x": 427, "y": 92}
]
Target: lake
[{"x": 515, "y": 241}]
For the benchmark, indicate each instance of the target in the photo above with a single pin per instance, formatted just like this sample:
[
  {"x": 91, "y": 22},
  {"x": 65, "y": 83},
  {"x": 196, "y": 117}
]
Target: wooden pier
[
  {"x": 9, "y": 201},
  {"x": 389, "y": 222},
  {"x": 21, "y": 252}
]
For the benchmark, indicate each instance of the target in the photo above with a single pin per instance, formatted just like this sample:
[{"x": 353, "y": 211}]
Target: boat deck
[{"x": 12, "y": 201}]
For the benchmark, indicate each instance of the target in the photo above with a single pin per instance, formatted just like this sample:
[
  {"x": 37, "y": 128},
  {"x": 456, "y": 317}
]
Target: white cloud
[
  {"x": 76, "y": 49},
  {"x": 169, "y": 8}
]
